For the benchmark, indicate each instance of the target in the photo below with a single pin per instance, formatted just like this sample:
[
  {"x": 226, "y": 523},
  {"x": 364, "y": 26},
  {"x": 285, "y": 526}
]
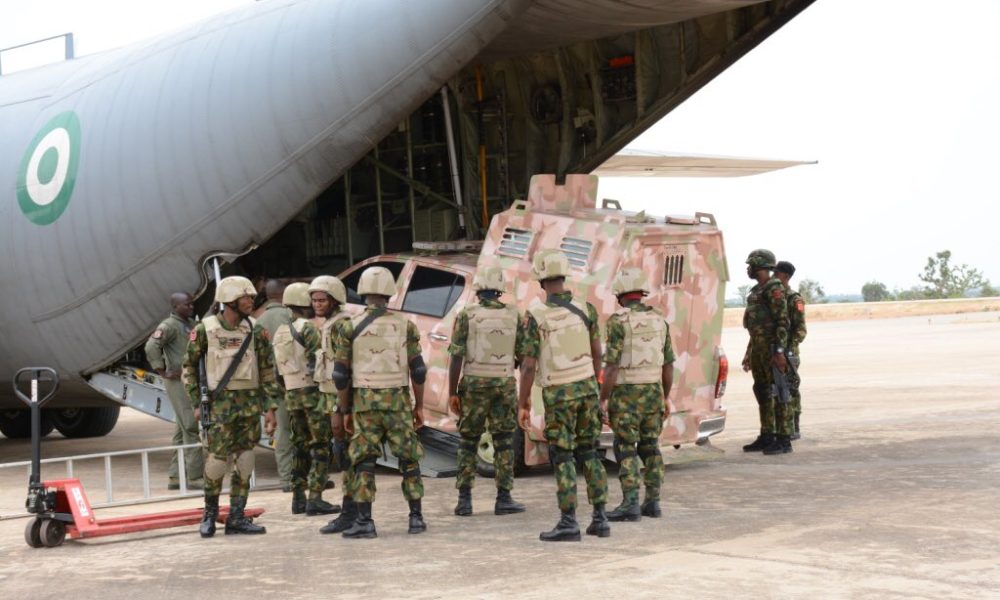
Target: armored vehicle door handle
[{"x": 439, "y": 337}]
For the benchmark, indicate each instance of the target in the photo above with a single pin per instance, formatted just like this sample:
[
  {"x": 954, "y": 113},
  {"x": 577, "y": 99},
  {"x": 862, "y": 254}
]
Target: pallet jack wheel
[
  {"x": 52, "y": 533},
  {"x": 32, "y": 533}
]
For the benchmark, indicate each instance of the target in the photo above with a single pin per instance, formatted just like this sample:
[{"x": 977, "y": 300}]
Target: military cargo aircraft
[{"x": 307, "y": 132}]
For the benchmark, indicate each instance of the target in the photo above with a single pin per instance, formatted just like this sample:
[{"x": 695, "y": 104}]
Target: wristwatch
[{"x": 779, "y": 350}]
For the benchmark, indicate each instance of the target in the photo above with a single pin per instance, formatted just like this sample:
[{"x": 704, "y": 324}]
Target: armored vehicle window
[
  {"x": 432, "y": 291},
  {"x": 351, "y": 280},
  {"x": 515, "y": 242},
  {"x": 673, "y": 271},
  {"x": 577, "y": 251}
]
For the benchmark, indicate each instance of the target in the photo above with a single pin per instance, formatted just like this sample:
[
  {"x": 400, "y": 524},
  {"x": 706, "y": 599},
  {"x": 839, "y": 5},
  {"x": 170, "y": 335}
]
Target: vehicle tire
[
  {"x": 85, "y": 422},
  {"x": 484, "y": 455},
  {"x": 16, "y": 424},
  {"x": 52, "y": 533},
  {"x": 33, "y": 533}
]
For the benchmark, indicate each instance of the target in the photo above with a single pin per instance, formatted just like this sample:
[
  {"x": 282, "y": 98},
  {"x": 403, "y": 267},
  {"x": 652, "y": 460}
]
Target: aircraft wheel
[
  {"x": 85, "y": 422},
  {"x": 33, "y": 534},
  {"x": 52, "y": 533},
  {"x": 16, "y": 424}
]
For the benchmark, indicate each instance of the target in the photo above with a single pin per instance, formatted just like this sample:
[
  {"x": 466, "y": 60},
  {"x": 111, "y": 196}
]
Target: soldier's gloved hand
[
  {"x": 746, "y": 362},
  {"x": 455, "y": 405},
  {"x": 270, "y": 422},
  {"x": 524, "y": 418},
  {"x": 779, "y": 361}
]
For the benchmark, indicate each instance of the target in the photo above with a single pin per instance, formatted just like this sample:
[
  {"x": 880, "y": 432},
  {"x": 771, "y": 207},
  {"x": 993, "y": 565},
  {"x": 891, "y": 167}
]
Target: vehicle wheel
[
  {"x": 33, "y": 534},
  {"x": 484, "y": 455},
  {"x": 16, "y": 424},
  {"x": 85, "y": 422},
  {"x": 52, "y": 533}
]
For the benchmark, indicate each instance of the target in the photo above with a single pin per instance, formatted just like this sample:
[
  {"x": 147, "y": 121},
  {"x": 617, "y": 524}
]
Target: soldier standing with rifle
[
  {"x": 766, "y": 319},
  {"x": 638, "y": 374},
  {"x": 563, "y": 342},
  {"x": 483, "y": 353},
  {"x": 295, "y": 347},
  {"x": 784, "y": 271},
  {"x": 234, "y": 357},
  {"x": 378, "y": 354}
]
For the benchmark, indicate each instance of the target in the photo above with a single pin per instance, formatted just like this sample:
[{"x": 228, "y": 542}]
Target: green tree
[
  {"x": 988, "y": 291},
  {"x": 812, "y": 292},
  {"x": 945, "y": 280},
  {"x": 743, "y": 290},
  {"x": 875, "y": 291}
]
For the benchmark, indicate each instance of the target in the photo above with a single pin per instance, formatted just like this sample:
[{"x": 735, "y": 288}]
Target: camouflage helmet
[
  {"x": 761, "y": 259},
  {"x": 231, "y": 289},
  {"x": 549, "y": 264},
  {"x": 630, "y": 280},
  {"x": 331, "y": 285},
  {"x": 377, "y": 280},
  {"x": 488, "y": 278},
  {"x": 296, "y": 294}
]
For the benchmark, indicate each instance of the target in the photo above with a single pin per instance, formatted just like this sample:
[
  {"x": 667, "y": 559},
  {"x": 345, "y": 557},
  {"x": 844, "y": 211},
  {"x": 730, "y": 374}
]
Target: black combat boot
[
  {"x": 780, "y": 444},
  {"x": 207, "y": 528},
  {"x": 464, "y": 506},
  {"x": 417, "y": 524},
  {"x": 344, "y": 520},
  {"x": 566, "y": 530},
  {"x": 651, "y": 508},
  {"x": 237, "y": 521},
  {"x": 505, "y": 505},
  {"x": 298, "y": 501},
  {"x": 796, "y": 435},
  {"x": 628, "y": 510},
  {"x": 599, "y": 524},
  {"x": 763, "y": 441},
  {"x": 364, "y": 526},
  {"x": 318, "y": 506}
]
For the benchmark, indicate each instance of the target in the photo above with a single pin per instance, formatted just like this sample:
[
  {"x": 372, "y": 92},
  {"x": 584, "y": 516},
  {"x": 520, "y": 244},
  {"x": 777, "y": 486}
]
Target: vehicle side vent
[
  {"x": 515, "y": 242},
  {"x": 577, "y": 251},
  {"x": 673, "y": 271}
]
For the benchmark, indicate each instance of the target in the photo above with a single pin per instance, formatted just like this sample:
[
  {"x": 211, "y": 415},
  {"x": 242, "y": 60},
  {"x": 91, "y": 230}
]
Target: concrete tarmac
[{"x": 891, "y": 493}]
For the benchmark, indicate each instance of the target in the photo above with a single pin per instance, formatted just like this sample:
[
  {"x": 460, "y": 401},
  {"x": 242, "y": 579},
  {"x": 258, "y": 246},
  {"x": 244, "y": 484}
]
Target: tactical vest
[
  {"x": 565, "y": 348},
  {"x": 378, "y": 355},
  {"x": 223, "y": 345},
  {"x": 324, "y": 356},
  {"x": 492, "y": 334},
  {"x": 757, "y": 313},
  {"x": 642, "y": 351},
  {"x": 290, "y": 357}
]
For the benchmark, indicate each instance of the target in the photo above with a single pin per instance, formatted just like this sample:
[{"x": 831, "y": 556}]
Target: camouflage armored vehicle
[{"x": 683, "y": 256}]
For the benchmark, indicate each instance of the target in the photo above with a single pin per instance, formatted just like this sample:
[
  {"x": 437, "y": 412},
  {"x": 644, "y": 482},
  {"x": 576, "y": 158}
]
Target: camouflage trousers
[
  {"x": 498, "y": 406},
  {"x": 572, "y": 426},
  {"x": 793, "y": 385},
  {"x": 636, "y": 415},
  {"x": 311, "y": 434},
  {"x": 371, "y": 428},
  {"x": 775, "y": 417},
  {"x": 228, "y": 445}
]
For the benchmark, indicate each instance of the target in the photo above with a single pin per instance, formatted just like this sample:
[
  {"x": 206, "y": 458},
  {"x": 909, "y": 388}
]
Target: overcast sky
[{"x": 896, "y": 99}]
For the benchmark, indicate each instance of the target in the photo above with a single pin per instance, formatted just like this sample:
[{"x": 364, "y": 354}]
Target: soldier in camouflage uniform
[
  {"x": 236, "y": 408},
  {"x": 766, "y": 319},
  {"x": 165, "y": 352},
  {"x": 328, "y": 296},
  {"x": 482, "y": 352},
  {"x": 276, "y": 314},
  {"x": 784, "y": 271},
  {"x": 638, "y": 375},
  {"x": 379, "y": 351},
  {"x": 562, "y": 341},
  {"x": 295, "y": 347}
]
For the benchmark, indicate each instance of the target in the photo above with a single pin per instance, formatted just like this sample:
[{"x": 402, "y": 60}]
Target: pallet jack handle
[{"x": 45, "y": 375}]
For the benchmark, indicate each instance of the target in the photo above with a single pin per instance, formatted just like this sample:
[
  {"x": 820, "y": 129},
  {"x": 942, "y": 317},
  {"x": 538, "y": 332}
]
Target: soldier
[
  {"x": 238, "y": 373},
  {"x": 328, "y": 296},
  {"x": 165, "y": 353},
  {"x": 562, "y": 340},
  {"x": 378, "y": 353},
  {"x": 766, "y": 319},
  {"x": 784, "y": 271},
  {"x": 638, "y": 374},
  {"x": 482, "y": 352},
  {"x": 275, "y": 314},
  {"x": 295, "y": 347}
]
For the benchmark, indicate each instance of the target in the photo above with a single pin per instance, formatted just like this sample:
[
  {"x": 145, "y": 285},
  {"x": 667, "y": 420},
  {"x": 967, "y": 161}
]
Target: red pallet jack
[{"x": 60, "y": 506}]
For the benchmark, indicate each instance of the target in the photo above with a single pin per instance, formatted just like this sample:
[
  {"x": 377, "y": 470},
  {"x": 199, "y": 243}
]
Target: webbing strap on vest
[
  {"x": 233, "y": 365},
  {"x": 297, "y": 335},
  {"x": 553, "y": 299},
  {"x": 378, "y": 312}
]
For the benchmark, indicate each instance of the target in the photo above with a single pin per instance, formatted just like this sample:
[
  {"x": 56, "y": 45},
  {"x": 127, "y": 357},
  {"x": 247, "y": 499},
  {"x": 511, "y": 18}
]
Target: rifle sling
[
  {"x": 571, "y": 308},
  {"x": 378, "y": 312},
  {"x": 296, "y": 335},
  {"x": 231, "y": 369}
]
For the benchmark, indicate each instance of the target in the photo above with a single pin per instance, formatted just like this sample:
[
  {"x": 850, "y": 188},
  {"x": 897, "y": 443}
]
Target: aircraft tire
[
  {"x": 16, "y": 424},
  {"x": 86, "y": 422}
]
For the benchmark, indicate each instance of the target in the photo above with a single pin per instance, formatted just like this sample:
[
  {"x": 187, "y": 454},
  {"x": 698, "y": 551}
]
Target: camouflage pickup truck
[{"x": 683, "y": 256}]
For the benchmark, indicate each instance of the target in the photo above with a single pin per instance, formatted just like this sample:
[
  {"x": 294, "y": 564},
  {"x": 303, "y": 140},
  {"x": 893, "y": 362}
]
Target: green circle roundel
[{"x": 48, "y": 170}]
